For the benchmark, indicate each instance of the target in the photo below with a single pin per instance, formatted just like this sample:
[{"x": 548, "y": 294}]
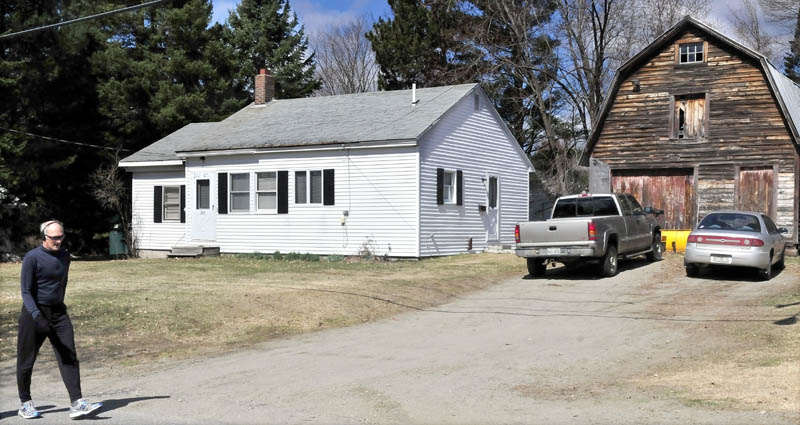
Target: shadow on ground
[{"x": 108, "y": 406}]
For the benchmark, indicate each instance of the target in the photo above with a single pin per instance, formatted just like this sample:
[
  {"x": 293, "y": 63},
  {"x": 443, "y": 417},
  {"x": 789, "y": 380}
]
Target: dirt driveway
[{"x": 566, "y": 349}]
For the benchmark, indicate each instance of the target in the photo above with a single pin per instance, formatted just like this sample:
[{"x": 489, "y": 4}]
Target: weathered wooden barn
[{"x": 696, "y": 123}]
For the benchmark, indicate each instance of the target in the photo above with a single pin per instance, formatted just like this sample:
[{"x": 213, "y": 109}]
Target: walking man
[{"x": 44, "y": 316}]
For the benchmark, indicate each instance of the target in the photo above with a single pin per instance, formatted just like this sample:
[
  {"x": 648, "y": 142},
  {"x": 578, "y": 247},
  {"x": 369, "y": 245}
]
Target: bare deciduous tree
[
  {"x": 110, "y": 191},
  {"x": 783, "y": 12},
  {"x": 747, "y": 26},
  {"x": 345, "y": 60}
]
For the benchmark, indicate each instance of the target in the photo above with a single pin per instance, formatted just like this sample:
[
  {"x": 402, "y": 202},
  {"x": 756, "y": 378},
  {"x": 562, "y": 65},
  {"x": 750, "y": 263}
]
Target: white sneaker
[
  {"x": 82, "y": 408},
  {"x": 28, "y": 410}
]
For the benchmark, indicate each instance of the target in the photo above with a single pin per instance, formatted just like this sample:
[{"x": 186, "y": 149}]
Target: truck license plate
[
  {"x": 721, "y": 259},
  {"x": 553, "y": 251}
]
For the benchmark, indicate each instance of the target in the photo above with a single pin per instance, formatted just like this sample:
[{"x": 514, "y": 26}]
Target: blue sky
[{"x": 316, "y": 15}]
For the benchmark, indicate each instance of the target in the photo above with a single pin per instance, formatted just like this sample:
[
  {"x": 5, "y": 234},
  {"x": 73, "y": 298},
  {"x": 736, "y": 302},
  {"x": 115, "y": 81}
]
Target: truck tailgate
[{"x": 554, "y": 232}]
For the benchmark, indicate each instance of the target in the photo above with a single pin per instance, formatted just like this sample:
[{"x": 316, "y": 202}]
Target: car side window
[
  {"x": 626, "y": 207},
  {"x": 771, "y": 227},
  {"x": 637, "y": 209}
]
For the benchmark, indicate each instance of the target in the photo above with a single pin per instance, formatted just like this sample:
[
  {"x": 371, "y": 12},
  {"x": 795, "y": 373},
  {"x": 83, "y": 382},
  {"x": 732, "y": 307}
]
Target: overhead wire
[
  {"x": 85, "y": 18},
  {"x": 53, "y": 139}
]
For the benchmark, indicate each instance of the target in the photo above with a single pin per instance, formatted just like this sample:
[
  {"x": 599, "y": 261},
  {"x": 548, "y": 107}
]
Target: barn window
[
  {"x": 690, "y": 53},
  {"x": 689, "y": 116}
]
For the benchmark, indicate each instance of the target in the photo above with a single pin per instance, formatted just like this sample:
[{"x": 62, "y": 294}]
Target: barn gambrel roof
[{"x": 786, "y": 91}]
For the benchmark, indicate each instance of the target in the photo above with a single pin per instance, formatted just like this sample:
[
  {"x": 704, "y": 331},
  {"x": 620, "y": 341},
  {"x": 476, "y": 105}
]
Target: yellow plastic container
[{"x": 675, "y": 240}]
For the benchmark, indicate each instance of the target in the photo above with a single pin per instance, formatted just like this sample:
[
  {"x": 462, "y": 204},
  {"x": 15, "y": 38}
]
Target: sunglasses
[{"x": 56, "y": 238}]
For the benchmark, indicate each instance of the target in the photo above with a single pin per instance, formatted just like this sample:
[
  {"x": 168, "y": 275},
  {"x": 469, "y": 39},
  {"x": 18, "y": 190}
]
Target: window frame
[
  {"x": 164, "y": 204},
  {"x": 308, "y": 183},
  {"x": 674, "y": 119},
  {"x": 453, "y": 186},
  {"x": 703, "y": 51},
  {"x": 257, "y": 192},
  {"x": 197, "y": 200},
  {"x": 231, "y": 192}
]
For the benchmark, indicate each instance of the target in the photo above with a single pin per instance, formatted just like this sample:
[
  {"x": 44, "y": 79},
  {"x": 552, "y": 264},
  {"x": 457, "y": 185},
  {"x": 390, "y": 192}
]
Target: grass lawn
[{"x": 128, "y": 311}]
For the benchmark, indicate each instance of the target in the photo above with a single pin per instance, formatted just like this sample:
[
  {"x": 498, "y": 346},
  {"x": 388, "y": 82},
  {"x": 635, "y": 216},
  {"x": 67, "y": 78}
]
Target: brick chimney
[{"x": 265, "y": 87}]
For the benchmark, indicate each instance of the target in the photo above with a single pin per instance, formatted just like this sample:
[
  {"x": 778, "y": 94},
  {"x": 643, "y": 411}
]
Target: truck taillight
[
  {"x": 592, "y": 231},
  {"x": 516, "y": 233}
]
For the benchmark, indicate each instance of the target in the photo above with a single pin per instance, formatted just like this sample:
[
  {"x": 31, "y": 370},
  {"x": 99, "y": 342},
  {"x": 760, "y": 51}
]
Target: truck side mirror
[{"x": 650, "y": 210}]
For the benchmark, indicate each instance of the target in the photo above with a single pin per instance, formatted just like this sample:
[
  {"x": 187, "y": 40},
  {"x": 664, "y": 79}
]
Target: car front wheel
[{"x": 657, "y": 249}]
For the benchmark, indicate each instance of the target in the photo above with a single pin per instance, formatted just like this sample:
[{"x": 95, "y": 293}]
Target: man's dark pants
[{"x": 62, "y": 337}]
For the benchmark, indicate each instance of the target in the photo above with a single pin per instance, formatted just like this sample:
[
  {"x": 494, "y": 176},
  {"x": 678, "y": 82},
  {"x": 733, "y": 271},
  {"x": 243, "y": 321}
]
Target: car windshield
[{"x": 731, "y": 221}]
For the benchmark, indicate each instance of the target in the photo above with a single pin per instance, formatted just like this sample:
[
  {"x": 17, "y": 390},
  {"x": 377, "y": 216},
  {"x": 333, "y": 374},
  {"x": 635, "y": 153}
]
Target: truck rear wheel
[
  {"x": 608, "y": 267},
  {"x": 536, "y": 266}
]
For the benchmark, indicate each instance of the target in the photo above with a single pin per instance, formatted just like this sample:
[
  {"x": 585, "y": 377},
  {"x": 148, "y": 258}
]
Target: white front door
[
  {"x": 492, "y": 219},
  {"x": 204, "y": 214}
]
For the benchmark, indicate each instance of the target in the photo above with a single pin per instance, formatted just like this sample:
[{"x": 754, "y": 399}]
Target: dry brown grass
[
  {"x": 128, "y": 311},
  {"x": 752, "y": 365}
]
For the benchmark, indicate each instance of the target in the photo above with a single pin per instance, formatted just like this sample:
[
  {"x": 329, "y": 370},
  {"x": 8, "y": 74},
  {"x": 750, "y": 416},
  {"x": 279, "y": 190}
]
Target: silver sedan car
[{"x": 736, "y": 238}]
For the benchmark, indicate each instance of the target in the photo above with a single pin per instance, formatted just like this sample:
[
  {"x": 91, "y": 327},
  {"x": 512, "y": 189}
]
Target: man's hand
[{"x": 42, "y": 324}]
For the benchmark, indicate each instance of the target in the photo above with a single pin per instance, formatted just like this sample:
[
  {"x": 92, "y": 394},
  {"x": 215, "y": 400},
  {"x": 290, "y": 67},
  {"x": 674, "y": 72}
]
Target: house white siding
[
  {"x": 376, "y": 188},
  {"x": 150, "y": 235},
  {"x": 476, "y": 142}
]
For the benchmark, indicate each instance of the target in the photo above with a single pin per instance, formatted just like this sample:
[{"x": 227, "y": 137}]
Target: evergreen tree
[
  {"x": 263, "y": 35},
  {"x": 422, "y": 44},
  {"x": 47, "y": 89},
  {"x": 791, "y": 62},
  {"x": 165, "y": 68}
]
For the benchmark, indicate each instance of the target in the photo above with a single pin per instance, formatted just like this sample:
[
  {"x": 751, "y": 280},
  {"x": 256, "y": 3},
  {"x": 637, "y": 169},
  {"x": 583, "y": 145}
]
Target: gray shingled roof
[{"x": 363, "y": 117}]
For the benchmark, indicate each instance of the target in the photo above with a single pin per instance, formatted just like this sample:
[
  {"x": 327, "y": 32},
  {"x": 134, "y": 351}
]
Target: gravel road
[{"x": 558, "y": 350}]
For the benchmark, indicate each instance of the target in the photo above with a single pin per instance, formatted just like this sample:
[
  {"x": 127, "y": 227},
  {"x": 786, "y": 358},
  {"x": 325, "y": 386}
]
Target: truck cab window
[{"x": 564, "y": 208}]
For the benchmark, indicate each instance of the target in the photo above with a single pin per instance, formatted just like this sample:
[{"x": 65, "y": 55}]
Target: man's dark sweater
[{"x": 44, "y": 278}]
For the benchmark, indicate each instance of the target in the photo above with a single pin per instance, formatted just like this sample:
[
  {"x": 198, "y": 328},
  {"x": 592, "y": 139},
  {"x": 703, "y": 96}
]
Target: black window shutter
[
  {"x": 183, "y": 203},
  {"x": 157, "y": 194},
  {"x": 439, "y": 186},
  {"x": 222, "y": 193},
  {"x": 283, "y": 192},
  {"x": 460, "y": 187},
  {"x": 328, "y": 187}
]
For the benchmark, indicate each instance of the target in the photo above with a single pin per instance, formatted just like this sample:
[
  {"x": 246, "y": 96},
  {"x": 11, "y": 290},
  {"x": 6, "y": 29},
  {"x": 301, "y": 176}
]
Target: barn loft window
[
  {"x": 689, "y": 116},
  {"x": 690, "y": 53}
]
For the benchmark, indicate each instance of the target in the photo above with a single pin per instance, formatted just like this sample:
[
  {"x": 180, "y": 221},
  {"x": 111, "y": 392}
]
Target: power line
[
  {"x": 85, "y": 18},
  {"x": 53, "y": 139}
]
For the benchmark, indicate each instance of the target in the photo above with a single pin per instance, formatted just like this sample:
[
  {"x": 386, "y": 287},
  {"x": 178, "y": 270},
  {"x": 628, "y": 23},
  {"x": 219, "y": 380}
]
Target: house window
[
  {"x": 308, "y": 187},
  {"x": 267, "y": 191},
  {"x": 689, "y": 116},
  {"x": 449, "y": 187},
  {"x": 203, "y": 194},
  {"x": 492, "y": 192},
  {"x": 690, "y": 53},
  {"x": 240, "y": 192},
  {"x": 172, "y": 203}
]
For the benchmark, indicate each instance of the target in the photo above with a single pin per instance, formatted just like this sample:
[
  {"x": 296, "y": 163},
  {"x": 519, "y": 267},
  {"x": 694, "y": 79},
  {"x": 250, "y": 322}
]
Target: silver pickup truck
[{"x": 590, "y": 227}]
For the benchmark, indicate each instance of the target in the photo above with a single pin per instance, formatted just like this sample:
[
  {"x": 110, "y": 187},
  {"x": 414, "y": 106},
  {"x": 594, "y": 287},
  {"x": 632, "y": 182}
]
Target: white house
[{"x": 408, "y": 173}]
